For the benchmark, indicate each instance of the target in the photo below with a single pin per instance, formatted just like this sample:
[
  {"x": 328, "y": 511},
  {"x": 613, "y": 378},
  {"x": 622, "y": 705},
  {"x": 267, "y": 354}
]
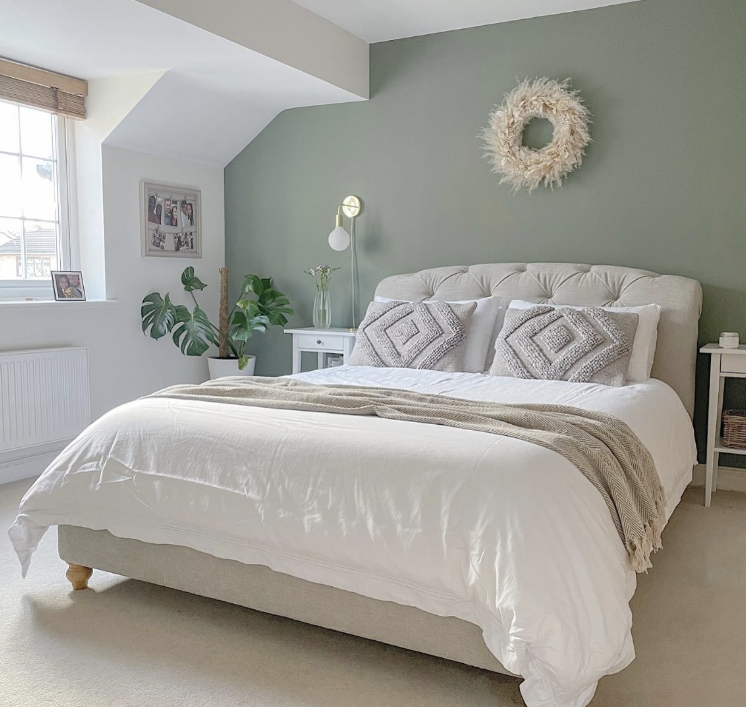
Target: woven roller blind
[{"x": 57, "y": 93}]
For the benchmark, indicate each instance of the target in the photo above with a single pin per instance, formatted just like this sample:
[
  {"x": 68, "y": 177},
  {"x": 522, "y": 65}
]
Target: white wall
[
  {"x": 109, "y": 102},
  {"x": 125, "y": 364},
  {"x": 151, "y": 364}
]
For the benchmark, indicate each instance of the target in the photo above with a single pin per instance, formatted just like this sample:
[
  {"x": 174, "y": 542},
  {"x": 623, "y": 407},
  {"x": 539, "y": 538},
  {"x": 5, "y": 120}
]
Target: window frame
[{"x": 36, "y": 288}]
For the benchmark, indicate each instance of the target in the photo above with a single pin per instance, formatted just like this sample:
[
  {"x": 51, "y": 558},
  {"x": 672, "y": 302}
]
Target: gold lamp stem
[
  {"x": 353, "y": 274},
  {"x": 351, "y": 207}
]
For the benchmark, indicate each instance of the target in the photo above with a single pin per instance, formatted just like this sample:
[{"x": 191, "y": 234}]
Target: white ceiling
[
  {"x": 215, "y": 97},
  {"x": 381, "y": 20}
]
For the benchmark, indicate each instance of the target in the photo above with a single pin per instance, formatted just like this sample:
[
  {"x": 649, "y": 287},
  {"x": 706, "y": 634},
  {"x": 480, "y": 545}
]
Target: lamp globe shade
[{"x": 339, "y": 239}]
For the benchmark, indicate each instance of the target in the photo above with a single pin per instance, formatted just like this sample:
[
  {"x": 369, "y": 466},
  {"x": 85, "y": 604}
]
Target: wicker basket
[{"x": 734, "y": 428}]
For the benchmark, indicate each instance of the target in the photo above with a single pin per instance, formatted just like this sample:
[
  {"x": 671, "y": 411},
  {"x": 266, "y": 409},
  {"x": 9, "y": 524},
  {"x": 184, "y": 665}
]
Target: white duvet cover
[{"x": 496, "y": 531}]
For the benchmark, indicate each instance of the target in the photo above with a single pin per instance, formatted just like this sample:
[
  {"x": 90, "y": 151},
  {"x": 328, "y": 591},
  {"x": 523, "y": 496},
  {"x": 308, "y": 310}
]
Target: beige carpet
[{"x": 125, "y": 643}]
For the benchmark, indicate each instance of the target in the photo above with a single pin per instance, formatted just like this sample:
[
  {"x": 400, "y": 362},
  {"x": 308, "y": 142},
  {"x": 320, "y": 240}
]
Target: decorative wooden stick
[
  {"x": 223, "y": 317},
  {"x": 78, "y": 575}
]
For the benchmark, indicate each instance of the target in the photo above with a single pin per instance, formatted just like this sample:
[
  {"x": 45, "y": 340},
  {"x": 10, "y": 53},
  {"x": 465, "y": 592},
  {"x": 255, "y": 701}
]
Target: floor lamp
[{"x": 340, "y": 239}]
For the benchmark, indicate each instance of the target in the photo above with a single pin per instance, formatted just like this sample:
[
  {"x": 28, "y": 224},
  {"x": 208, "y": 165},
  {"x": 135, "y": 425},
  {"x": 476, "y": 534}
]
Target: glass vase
[{"x": 322, "y": 310}]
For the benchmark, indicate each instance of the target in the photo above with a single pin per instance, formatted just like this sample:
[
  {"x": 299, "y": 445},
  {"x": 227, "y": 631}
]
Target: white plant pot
[{"x": 221, "y": 367}]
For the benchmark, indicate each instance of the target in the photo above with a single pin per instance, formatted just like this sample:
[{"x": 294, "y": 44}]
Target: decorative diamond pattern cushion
[
  {"x": 588, "y": 345},
  {"x": 483, "y": 329},
  {"x": 646, "y": 336},
  {"x": 413, "y": 335}
]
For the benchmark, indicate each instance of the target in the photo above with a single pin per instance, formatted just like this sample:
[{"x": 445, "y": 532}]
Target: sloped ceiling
[
  {"x": 215, "y": 93},
  {"x": 382, "y": 20}
]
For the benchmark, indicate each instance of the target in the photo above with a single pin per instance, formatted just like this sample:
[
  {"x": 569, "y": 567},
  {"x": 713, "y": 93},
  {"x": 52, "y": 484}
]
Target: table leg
[
  {"x": 715, "y": 408},
  {"x": 718, "y": 418},
  {"x": 348, "y": 346},
  {"x": 296, "y": 359}
]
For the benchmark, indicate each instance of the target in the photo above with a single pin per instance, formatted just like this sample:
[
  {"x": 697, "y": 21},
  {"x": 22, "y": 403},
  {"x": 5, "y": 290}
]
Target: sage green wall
[{"x": 661, "y": 187}]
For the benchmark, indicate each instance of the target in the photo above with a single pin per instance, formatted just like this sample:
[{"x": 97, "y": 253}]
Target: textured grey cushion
[
  {"x": 588, "y": 345},
  {"x": 413, "y": 335}
]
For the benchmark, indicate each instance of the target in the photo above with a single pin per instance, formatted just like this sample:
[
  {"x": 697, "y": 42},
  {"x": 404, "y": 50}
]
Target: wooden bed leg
[{"x": 78, "y": 575}]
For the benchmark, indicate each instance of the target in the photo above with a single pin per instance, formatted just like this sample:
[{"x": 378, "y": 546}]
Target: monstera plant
[{"x": 258, "y": 307}]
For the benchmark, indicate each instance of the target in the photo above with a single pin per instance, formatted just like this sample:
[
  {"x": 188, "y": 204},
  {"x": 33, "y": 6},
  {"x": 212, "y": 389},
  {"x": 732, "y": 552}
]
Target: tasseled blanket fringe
[{"x": 639, "y": 550}]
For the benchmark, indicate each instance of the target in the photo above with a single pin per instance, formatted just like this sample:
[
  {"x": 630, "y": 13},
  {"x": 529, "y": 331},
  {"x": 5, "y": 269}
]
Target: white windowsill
[{"x": 50, "y": 303}]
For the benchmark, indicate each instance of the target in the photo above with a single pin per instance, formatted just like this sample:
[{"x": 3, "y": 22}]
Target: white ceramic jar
[{"x": 729, "y": 340}]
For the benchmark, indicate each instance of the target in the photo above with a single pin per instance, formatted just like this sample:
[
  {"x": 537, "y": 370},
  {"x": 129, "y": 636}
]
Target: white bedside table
[
  {"x": 724, "y": 363},
  {"x": 323, "y": 342}
]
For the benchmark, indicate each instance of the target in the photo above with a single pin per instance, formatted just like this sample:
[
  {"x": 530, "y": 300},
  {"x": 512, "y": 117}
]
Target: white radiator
[{"x": 44, "y": 399}]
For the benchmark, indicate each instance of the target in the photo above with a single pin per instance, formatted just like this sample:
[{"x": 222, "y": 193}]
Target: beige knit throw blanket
[{"x": 605, "y": 450}]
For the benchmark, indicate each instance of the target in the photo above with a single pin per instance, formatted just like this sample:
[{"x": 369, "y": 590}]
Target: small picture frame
[
  {"x": 170, "y": 220},
  {"x": 68, "y": 285}
]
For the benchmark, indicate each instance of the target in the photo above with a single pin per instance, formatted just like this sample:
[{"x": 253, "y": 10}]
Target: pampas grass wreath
[{"x": 521, "y": 166}]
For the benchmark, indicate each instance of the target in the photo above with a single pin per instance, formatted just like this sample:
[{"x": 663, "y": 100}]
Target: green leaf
[
  {"x": 190, "y": 281},
  {"x": 250, "y": 307},
  {"x": 244, "y": 324},
  {"x": 270, "y": 296},
  {"x": 254, "y": 284},
  {"x": 270, "y": 307},
  {"x": 273, "y": 298},
  {"x": 157, "y": 314},
  {"x": 242, "y": 362},
  {"x": 278, "y": 318},
  {"x": 276, "y": 306},
  {"x": 193, "y": 332}
]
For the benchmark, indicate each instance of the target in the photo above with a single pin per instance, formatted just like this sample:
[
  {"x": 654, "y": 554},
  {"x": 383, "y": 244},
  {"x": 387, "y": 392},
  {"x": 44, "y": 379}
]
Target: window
[{"x": 33, "y": 199}]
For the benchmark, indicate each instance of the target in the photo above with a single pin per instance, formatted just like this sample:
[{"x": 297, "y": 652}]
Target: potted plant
[{"x": 258, "y": 306}]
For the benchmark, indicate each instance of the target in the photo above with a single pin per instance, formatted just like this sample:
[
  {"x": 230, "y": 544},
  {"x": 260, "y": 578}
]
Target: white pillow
[
  {"x": 646, "y": 336},
  {"x": 480, "y": 339}
]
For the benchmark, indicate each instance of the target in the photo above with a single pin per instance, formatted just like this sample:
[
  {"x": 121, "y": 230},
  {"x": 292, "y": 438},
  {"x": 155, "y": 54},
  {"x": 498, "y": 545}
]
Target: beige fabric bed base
[{"x": 260, "y": 588}]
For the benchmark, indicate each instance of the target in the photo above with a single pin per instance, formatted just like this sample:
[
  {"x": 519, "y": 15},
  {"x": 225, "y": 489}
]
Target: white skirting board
[
  {"x": 729, "y": 478},
  {"x": 29, "y": 462}
]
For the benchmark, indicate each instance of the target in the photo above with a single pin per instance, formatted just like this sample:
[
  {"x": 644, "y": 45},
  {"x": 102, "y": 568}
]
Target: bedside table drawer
[
  {"x": 733, "y": 363},
  {"x": 320, "y": 342}
]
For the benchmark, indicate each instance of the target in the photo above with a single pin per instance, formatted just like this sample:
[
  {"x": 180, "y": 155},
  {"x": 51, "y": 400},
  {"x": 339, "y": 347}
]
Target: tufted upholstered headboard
[{"x": 567, "y": 283}]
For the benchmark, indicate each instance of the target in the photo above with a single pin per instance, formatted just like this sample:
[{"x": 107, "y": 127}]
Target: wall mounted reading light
[{"x": 340, "y": 239}]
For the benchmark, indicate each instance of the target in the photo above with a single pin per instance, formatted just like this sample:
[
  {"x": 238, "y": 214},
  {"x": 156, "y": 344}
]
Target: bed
[{"x": 398, "y": 554}]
